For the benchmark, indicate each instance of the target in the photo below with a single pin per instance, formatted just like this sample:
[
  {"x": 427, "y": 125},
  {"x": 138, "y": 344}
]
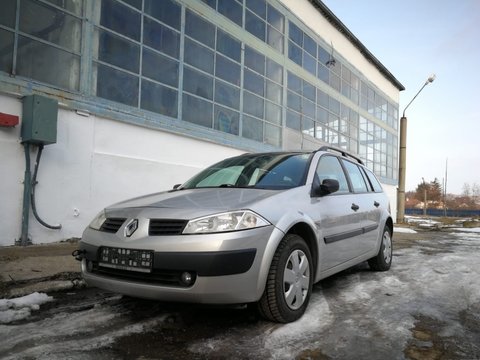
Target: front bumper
[{"x": 227, "y": 268}]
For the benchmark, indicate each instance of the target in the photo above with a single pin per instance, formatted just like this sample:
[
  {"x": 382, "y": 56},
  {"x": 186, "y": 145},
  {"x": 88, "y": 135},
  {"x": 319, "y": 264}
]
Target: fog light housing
[{"x": 186, "y": 278}]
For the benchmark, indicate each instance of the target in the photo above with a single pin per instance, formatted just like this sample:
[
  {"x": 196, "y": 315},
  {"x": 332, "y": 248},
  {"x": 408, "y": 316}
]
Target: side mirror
[
  {"x": 328, "y": 186},
  {"x": 176, "y": 186}
]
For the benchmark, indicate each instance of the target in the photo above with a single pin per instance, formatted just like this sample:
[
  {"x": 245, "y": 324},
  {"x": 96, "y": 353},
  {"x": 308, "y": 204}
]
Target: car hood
[{"x": 191, "y": 203}]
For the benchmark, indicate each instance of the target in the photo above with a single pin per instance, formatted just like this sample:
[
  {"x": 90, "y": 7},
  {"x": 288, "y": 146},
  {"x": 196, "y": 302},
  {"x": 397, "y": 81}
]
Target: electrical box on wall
[{"x": 39, "y": 120}]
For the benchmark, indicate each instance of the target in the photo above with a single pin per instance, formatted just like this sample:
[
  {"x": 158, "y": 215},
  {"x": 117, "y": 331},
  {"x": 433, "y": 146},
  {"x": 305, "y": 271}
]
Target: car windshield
[{"x": 261, "y": 171}]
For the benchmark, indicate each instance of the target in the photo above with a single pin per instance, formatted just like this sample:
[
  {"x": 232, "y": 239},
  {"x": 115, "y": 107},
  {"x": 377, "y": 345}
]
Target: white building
[{"x": 150, "y": 92}]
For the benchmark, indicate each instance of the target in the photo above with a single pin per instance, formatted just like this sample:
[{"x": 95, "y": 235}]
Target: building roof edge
[{"x": 340, "y": 26}]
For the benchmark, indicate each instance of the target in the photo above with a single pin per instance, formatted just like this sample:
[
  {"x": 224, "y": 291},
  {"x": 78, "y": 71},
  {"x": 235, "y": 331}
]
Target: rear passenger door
[{"x": 367, "y": 207}]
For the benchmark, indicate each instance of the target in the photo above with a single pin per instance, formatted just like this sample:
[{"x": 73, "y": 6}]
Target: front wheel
[
  {"x": 383, "y": 260},
  {"x": 289, "y": 281}
]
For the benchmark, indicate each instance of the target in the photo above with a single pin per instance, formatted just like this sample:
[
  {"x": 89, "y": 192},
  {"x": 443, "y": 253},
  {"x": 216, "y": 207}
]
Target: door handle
[
  {"x": 376, "y": 203},
  {"x": 355, "y": 207}
]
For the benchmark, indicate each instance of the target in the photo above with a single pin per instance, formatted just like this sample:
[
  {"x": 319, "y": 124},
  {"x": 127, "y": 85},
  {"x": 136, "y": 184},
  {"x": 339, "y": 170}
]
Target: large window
[
  {"x": 220, "y": 65},
  {"x": 48, "y": 42}
]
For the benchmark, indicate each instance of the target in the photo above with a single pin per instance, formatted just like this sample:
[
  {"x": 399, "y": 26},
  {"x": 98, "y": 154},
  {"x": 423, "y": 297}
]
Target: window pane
[
  {"x": 310, "y": 45},
  {"x": 308, "y": 127},
  {"x": 226, "y": 120},
  {"x": 273, "y": 135},
  {"x": 160, "y": 68},
  {"x": 309, "y": 91},
  {"x": 198, "y": 56},
  {"x": 258, "y": 7},
  {"x": 335, "y": 81},
  {"x": 159, "y": 99},
  {"x": 118, "y": 51},
  {"x": 323, "y": 73},
  {"x": 309, "y": 63},
  {"x": 64, "y": 30},
  {"x": 274, "y": 71},
  {"x": 294, "y": 53},
  {"x": 295, "y": 34},
  {"x": 232, "y": 10},
  {"x": 322, "y": 115},
  {"x": 228, "y": 46},
  {"x": 255, "y": 25},
  {"x": 275, "y": 18},
  {"x": 7, "y": 15},
  {"x": 6, "y": 55},
  {"x": 199, "y": 29},
  {"x": 117, "y": 85},
  {"x": 167, "y": 11},
  {"x": 308, "y": 108},
  {"x": 135, "y": 3},
  {"x": 294, "y": 101},
  {"x": 253, "y": 82},
  {"x": 161, "y": 37},
  {"x": 274, "y": 92},
  {"x": 227, "y": 95},
  {"x": 323, "y": 55},
  {"x": 254, "y": 60},
  {"x": 47, "y": 64},
  {"x": 211, "y": 3},
  {"x": 273, "y": 113},
  {"x": 120, "y": 18},
  {"x": 322, "y": 98},
  {"x": 294, "y": 83},
  {"x": 293, "y": 120},
  {"x": 197, "y": 83},
  {"x": 274, "y": 39},
  {"x": 252, "y": 104},
  {"x": 252, "y": 128},
  {"x": 197, "y": 111},
  {"x": 227, "y": 70},
  {"x": 74, "y": 6}
]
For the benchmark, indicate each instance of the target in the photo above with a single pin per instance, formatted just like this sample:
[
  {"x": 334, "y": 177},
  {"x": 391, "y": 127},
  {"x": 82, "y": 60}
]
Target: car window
[
  {"x": 356, "y": 177},
  {"x": 373, "y": 180},
  {"x": 329, "y": 168},
  {"x": 266, "y": 171}
]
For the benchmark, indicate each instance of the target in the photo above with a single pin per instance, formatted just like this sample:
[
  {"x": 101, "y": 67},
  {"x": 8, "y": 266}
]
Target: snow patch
[
  {"x": 404, "y": 230},
  {"x": 21, "y": 308}
]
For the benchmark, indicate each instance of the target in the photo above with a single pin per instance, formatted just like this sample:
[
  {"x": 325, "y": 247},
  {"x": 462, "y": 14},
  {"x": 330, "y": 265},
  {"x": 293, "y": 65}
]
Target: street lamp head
[{"x": 430, "y": 79}]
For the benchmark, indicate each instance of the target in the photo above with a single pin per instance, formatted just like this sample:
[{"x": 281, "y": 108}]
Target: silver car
[{"x": 256, "y": 228}]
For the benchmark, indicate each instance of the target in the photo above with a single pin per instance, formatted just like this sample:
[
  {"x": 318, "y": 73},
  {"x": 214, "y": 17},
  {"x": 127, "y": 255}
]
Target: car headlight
[
  {"x": 230, "y": 221},
  {"x": 98, "y": 221}
]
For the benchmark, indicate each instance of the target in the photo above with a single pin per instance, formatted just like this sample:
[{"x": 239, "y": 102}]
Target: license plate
[{"x": 126, "y": 259}]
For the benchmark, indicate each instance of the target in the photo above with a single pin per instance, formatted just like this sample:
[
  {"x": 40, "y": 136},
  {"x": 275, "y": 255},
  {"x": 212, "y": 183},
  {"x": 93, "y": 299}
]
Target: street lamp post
[{"x": 403, "y": 157}]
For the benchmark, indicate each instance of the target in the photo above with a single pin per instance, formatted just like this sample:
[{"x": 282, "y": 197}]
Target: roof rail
[{"x": 341, "y": 151}]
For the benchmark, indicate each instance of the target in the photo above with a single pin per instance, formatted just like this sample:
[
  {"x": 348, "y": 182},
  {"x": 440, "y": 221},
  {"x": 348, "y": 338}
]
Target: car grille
[
  {"x": 163, "y": 227},
  {"x": 111, "y": 225}
]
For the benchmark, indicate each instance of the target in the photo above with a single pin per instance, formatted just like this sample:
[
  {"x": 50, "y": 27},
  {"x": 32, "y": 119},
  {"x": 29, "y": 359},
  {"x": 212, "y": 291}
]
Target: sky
[{"x": 413, "y": 39}]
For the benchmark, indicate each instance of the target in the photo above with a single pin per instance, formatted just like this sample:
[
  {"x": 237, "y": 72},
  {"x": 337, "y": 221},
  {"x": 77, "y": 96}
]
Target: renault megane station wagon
[{"x": 256, "y": 228}]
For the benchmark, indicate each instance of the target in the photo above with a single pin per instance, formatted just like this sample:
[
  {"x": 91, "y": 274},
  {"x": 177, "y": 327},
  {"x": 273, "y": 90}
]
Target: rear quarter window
[{"x": 377, "y": 187}]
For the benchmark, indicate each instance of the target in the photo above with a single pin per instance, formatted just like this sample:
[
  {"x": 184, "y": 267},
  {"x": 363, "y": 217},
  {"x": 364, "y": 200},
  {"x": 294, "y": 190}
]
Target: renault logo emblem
[{"x": 131, "y": 226}]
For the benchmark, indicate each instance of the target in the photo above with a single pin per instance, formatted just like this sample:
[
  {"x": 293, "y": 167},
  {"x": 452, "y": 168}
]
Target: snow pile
[
  {"x": 21, "y": 308},
  {"x": 404, "y": 230}
]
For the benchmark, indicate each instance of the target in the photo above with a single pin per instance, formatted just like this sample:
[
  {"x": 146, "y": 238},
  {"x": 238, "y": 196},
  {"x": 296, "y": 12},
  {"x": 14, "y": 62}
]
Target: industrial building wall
[{"x": 95, "y": 162}]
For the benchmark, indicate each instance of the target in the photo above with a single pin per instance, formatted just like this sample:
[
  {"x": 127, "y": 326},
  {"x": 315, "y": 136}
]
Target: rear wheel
[
  {"x": 289, "y": 281},
  {"x": 383, "y": 260}
]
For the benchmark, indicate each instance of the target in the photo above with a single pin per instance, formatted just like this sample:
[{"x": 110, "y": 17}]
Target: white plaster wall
[
  {"x": 95, "y": 162},
  {"x": 312, "y": 18}
]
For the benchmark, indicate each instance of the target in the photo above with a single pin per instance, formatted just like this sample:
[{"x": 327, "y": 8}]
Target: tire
[
  {"x": 383, "y": 260},
  {"x": 289, "y": 282}
]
